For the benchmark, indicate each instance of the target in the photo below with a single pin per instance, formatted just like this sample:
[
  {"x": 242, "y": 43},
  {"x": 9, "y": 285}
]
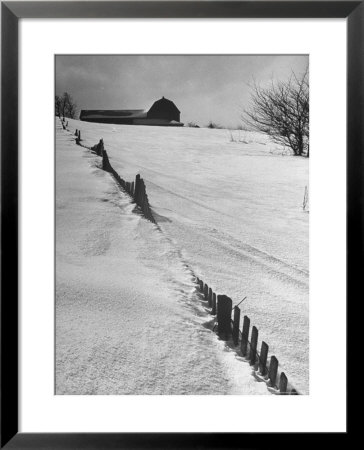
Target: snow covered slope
[
  {"x": 128, "y": 318},
  {"x": 234, "y": 209}
]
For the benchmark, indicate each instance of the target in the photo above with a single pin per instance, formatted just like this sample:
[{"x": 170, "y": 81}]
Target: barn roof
[
  {"x": 165, "y": 100},
  {"x": 113, "y": 113}
]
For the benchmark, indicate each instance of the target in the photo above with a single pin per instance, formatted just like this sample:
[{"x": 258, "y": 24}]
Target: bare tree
[
  {"x": 282, "y": 111},
  {"x": 65, "y": 106},
  {"x": 58, "y": 106}
]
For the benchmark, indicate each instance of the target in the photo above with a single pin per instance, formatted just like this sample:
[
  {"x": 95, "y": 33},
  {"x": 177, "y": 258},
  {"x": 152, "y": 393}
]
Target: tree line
[{"x": 65, "y": 106}]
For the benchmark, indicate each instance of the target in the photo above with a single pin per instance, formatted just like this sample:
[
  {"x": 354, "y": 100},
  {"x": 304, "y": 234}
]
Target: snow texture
[{"x": 128, "y": 317}]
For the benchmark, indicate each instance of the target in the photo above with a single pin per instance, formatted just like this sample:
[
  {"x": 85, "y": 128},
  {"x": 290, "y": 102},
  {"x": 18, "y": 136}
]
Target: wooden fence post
[
  {"x": 283, "y": 381},
  {"x": 210, "y": 297},
  {"x": 206, "y": 291},
  {"x": 201, "y": 285},
  {"x": 100, "y": 147},
  {"x": 139, "y": 190},
  {"x": 224, "y": 308},
  {"x": 245, "y": 336},
  {"x": 236, "y": 325},
  {"x": 142, "y": 194},
  {"x": 273, "y": 369},
  {"x": 78, "y": 137},
  {"x": 142, "y": 191},
  {"x": 213, "y": 310},
  {"x": 136, "y": 189},
  {"x": 253, "y": 346},
  {"x": 144, "y": 209},
  {"x": 263, "y": 358}
]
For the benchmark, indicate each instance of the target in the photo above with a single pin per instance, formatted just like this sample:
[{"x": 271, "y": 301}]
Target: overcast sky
[{"x": 203, "y": 88}]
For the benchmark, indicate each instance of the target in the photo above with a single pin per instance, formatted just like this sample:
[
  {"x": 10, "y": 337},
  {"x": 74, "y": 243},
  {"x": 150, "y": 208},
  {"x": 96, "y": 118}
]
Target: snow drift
[
  {"x": 128, "y": 318},
  {"x": 230, "y": 210}
]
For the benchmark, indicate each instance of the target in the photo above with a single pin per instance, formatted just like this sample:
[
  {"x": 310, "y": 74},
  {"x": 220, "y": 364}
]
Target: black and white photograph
[{"x": 182, "y": 207}]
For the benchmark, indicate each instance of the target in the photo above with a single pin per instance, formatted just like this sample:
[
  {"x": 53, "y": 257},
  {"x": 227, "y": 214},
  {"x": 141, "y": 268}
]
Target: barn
[{"x": 162, "y": 113}]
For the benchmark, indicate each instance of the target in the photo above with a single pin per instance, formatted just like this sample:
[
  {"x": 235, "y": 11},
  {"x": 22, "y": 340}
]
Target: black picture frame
[{"x": 11, "y": 12}]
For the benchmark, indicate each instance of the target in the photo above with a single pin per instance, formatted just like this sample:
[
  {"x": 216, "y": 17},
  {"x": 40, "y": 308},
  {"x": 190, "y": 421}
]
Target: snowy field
[{"x": 128, "y": 318}]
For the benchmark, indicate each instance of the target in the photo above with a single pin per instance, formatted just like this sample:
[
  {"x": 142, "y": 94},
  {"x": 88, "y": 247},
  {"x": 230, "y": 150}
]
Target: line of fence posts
[
  {"x": 136, "y": 189},
  {"x": 227, "y": 328},
  {"x": 64, "y": 123}
]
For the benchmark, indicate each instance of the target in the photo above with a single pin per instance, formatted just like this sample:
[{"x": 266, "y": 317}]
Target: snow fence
[
  {"x": 265, "y": 369},
  {"x": 135, "y": 189}
]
